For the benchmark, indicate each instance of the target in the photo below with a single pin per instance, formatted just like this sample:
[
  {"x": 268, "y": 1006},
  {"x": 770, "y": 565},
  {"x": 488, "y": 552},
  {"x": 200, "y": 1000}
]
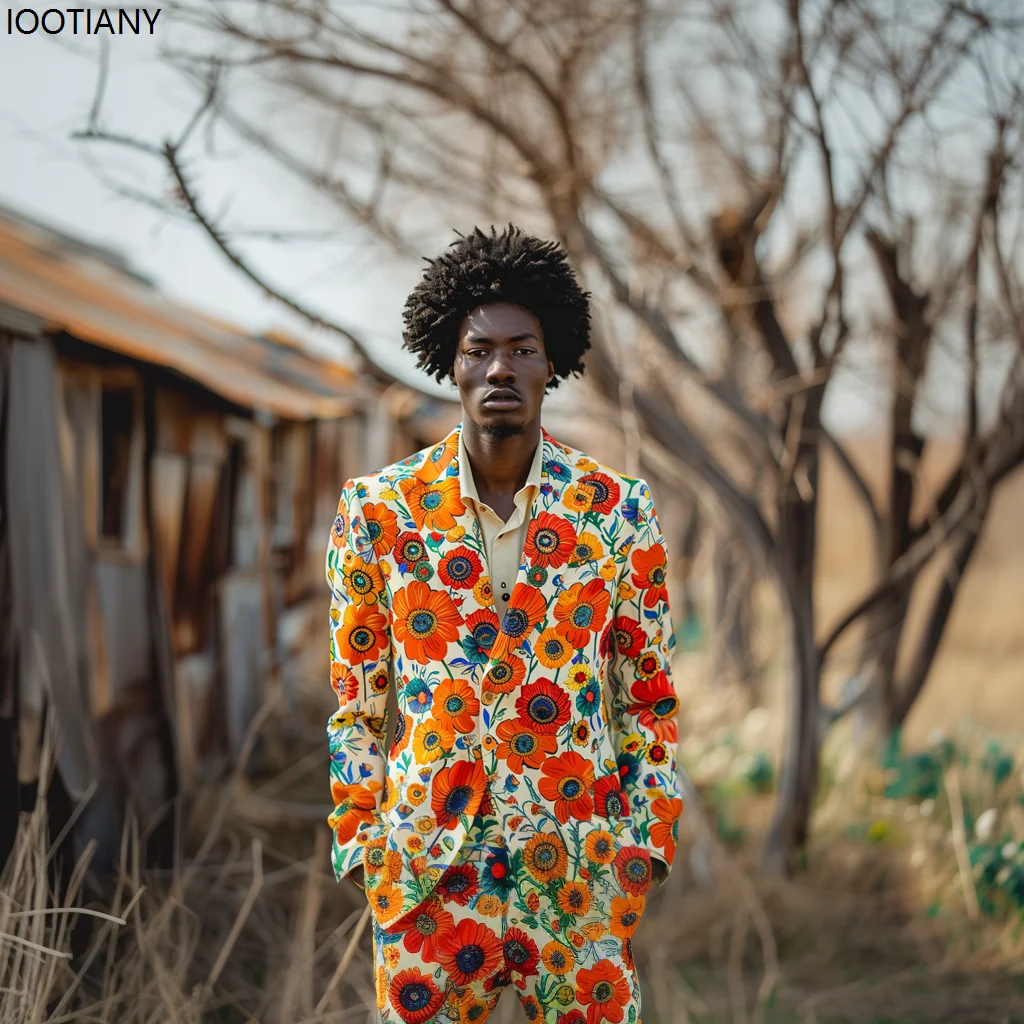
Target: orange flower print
[
  {"x": 629, "y": 637},
  {"x": 457, "y": 790},
  {"x": 550, "y": 541},
  {"x": 574, "y": 898},
  {"x": 354, "y": 806},
  {"x": 505, "y": 675},
  {"x": 361, "y": 635},
  {"x": 600, "y": 847},
  {"x": 606, "y": 492},
  {"x": 363, "y": 580},
  {"x": 581, "y": 611},
  {"x": 386, "y": 901},
  {"x": 544, "y": 706},
  {"x": 526, "y": 608},
  {"x": 665, "y": 831},
  {"x": 435, "y": 505},
  {"x": 425, "y": 621},
  {"x": 432, "y": 740},
  {"x": 521, "y": 746},
  {"x": 649, "y": 574},
  {"x": 626, "y": 911},
  {"x": 455, "y": 703},
  {"x": 588, "y": 549},
  {"x": 382, "y": 527},
  {"x": 553, "y": 650},
  {"x": 460, "y": 568},
  {"x": 545, "y": 857},
  {"x": 655, "y": 704},
  {"x": 604, "y": 991},
  {"x": 568, "y": 781},
  {"x": 438, "y": 459}
]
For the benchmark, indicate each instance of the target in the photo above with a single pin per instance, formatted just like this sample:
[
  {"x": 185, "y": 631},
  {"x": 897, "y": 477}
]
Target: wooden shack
[{"x": 167, "y": 483}]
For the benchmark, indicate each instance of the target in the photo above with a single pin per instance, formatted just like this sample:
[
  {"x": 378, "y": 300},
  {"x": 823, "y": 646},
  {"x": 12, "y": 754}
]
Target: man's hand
[{"x": 357, "y": 875}]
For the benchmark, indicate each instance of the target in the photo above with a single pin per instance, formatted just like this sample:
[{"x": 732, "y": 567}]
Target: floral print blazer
[{"x": 501, "y": 706}]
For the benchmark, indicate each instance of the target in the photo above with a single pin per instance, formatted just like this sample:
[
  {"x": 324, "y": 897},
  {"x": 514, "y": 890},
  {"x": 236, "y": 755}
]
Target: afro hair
[{"x": 482, "y": 268}]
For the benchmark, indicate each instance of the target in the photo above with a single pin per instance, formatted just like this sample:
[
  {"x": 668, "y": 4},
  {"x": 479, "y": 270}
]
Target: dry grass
[{"x": 251, "y": 927}]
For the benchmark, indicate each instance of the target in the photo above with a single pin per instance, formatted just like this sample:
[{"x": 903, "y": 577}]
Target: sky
[{"x": 47, "y": 88}]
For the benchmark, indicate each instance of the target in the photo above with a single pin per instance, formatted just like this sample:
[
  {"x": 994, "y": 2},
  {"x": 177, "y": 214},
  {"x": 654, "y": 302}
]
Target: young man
[{"x": 502, "y": 583}]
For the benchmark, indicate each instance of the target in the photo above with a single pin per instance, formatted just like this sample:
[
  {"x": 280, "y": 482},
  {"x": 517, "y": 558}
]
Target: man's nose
[{"x": 501, "y": 370}]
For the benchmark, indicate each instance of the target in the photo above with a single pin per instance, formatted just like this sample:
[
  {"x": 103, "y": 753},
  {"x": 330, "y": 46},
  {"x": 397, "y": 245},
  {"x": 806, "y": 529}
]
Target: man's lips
[{"x": 502, "y": 399}]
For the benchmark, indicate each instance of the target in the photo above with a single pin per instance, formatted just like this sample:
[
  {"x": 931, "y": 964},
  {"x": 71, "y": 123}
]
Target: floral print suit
[{"x": 509, "y": 830}]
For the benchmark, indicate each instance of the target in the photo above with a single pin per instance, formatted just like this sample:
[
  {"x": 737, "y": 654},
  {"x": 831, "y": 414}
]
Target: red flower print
[
  {"x": 568, "y": 781},
  {"x": 550, "y": 541},
  {"x": 459, "y": 884},
  {"x": 609, "y": 799},
  {"x": 606, "y": 492},
  {"x": 521, "y": 745},
  {"x": 633, "y": 868},
  {"x": 544, "y": 706},
  {"x": 629, "y": 637},
  {"x": 362, "y": 634},
  {"x": 526, "y": 608},
  {"x": 604, "y": 991},
  {"x": 425, "y": 621},
  {"x": 460, "y": 568},
  {"x": 470, "y": 953},
  {"x": 655, "y": 704},
  {"x": 426, "y": 927},
  {"x": 409, "y": 548},
  {"x": 414, "y": 996},
  {"x": 521, "y": 953},
  {"x": 581, "y": 611},
  {"x": 457, "y": 790},
  {"x": 649, "y": 573}
]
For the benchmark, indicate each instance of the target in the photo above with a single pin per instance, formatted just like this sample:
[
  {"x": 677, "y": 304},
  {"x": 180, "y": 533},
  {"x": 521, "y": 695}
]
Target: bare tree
[{"x": 762, "y": 188}]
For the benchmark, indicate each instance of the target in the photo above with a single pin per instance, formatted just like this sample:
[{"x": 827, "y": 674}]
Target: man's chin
[{"x": 501, "y": 431}]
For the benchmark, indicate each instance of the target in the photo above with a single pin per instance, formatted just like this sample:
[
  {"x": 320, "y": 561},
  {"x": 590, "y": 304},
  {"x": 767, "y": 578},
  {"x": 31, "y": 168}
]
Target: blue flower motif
[
  {"x": 558, "y": 470},
  {"x": 496, "y": 876},
  {"x": 630, "y": 510},
  {"x": 629, "y": 768},
  {"x": 419, "y": 695},
  {"x": 588, "y": 700},
  {"x": 362, "y": 490}
]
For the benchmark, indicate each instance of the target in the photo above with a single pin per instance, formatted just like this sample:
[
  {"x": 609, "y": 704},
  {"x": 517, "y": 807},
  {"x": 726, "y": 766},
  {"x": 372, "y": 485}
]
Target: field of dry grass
[{"x": 251, "y": 926}]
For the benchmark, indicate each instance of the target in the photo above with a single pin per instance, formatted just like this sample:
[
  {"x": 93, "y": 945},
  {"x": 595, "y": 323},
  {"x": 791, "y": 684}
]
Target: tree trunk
[
  {"x": 797, "y": 541},
  {"x": 730, "y": 652}
]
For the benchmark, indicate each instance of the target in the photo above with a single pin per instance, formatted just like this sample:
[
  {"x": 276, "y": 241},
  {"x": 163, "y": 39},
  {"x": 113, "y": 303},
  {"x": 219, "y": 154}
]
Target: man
[{"x": 501, "y": 582}]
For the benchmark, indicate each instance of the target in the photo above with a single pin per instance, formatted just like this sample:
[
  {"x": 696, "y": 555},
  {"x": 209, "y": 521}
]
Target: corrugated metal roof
[{"x": 73, "y": 289}]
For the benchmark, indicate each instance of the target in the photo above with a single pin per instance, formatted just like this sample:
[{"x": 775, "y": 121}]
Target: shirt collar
[{"x": 467, "y": 485}]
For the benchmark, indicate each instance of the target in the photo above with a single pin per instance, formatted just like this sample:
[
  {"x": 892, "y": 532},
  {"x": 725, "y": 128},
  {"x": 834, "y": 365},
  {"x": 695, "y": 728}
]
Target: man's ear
[{"x": 551, "y": 371}]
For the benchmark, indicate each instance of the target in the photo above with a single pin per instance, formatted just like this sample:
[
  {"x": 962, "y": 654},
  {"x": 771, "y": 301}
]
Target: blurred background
[{"x": 802, "y": 223}]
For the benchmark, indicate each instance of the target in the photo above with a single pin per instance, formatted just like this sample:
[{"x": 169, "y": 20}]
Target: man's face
[{"x": 501, "y": 368}]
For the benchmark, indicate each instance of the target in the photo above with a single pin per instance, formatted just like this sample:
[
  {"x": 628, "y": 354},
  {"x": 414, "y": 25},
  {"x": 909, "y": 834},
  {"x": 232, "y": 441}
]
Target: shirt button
[
  {"x": 504, "y": 597},
  {"x": 504, "y": 587}
]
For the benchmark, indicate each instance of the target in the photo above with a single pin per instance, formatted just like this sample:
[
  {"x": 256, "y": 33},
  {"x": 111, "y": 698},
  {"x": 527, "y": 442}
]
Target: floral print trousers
[{"x": 562, "y": 944}]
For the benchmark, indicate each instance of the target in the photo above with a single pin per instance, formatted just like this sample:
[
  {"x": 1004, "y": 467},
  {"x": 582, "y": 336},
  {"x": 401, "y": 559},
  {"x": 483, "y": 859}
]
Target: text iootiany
[{"x": 86, "y": 21}]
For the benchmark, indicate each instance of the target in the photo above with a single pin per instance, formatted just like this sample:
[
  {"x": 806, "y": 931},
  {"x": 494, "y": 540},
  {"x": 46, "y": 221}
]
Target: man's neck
[{"x": 501, "y": 465}]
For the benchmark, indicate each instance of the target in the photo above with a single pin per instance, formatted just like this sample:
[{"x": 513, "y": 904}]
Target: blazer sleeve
[
  {"x": 360, "y": 675},
  {"x": 644, "y": 711}
]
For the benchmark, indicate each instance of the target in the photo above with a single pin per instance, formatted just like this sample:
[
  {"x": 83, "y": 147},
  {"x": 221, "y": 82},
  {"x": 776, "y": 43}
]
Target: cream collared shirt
[{"x": 502, "y": 542}]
